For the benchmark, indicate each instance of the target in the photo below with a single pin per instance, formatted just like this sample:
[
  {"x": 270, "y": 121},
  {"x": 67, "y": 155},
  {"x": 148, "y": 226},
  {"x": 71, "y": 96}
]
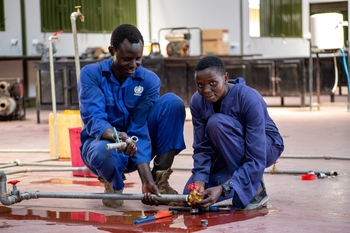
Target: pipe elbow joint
[
  {"x": 74, "y": 16},
  {"x": 9, "y": 200}
]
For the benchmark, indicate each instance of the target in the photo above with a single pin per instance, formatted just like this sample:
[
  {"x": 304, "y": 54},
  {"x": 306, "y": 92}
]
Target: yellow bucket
[{"x": 65, "y": 120}]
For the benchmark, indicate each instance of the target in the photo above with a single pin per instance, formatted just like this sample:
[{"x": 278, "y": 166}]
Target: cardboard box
[
  {"x": 215, "y": 34},
  {"x": 215, "y": 47}
]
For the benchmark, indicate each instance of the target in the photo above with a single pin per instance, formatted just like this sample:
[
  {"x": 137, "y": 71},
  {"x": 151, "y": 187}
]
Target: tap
[{"x": 77, "y": 14}]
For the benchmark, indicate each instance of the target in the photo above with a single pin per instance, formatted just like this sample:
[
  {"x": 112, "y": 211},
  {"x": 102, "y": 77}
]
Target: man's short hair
[{"x": 125, "y": 31}]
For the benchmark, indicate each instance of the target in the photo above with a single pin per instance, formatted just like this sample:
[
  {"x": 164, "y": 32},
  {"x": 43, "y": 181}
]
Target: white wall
[
  {"x": 205, "y": 14},
  {"x": 13, "y": 29}
]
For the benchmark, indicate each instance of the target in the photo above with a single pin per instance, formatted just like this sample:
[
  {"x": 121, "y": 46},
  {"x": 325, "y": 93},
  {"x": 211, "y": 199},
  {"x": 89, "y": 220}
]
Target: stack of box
[{"x": 215, "y": 42}]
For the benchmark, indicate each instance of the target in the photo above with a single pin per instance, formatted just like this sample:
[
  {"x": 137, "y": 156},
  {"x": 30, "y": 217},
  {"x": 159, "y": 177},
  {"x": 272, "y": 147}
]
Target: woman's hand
[
  {"x": 200, "y": 186},
  {"x": 212, "y": 194}
]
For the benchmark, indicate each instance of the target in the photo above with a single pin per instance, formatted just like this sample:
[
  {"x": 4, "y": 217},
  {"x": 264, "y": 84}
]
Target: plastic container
[
  {"x": 327, "y": 30},
  {"x": 308, "y": 177},
  {"x": 65, "y": 120},
  {"x": 74, "y": 138}
]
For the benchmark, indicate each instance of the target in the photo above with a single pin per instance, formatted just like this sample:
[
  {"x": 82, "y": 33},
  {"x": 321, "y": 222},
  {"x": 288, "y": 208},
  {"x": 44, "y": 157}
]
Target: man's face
[
  {"x": 126, "y": 58},
  {"x": 211, "y": 84}
]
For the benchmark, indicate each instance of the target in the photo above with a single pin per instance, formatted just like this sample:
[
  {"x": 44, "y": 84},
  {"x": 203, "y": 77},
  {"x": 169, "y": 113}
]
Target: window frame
[
  {"x": 106, "y": 15},
  {"x": 2, "y": 16},
  {"x": 281, "y": 18}
]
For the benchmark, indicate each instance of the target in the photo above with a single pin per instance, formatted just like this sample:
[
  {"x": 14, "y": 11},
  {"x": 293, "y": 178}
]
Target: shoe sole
[{"x": 257, "y": 205}]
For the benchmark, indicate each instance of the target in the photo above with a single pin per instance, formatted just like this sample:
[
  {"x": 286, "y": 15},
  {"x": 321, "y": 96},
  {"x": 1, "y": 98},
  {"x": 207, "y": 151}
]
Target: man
[
  {"x": 119, "y": 99},
  {"x": 235, "y": 139}
]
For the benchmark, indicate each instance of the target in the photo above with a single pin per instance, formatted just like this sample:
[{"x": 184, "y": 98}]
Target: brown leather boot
[
  {"x": 109, "y": 189},
  {"x": 162, "y": 181}
]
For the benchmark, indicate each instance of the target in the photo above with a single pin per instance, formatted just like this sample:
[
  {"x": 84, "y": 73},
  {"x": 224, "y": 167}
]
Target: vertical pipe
[
  {"x": 318, "y": 81},
  {"x": 241, "y": 26},
  {"x": 76, "y": 50},
  {"x": 310, "y": 76},
  {"x": 150, "y": 21},
  {"x": 53, "y": 96}
]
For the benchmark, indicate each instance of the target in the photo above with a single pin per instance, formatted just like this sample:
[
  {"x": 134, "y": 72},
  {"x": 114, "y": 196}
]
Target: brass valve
[{"x": 81, "y": 16}]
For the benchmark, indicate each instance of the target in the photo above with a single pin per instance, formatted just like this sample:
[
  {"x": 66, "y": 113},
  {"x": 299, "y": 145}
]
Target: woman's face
[{"x": 211, "y": 84}]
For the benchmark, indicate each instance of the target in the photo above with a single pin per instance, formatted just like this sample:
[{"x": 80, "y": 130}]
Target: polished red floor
[{"x": 295, "y": 205}]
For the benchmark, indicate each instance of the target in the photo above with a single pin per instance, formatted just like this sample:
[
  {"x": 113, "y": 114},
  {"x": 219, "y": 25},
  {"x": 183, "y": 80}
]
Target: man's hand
[
  {"x": 148, "y": 189},
  {"x": 130, "y": 148},
  {"x": 148, "y": 185}
]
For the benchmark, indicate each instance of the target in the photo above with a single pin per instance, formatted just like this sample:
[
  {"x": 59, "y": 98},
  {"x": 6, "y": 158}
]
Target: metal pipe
[
  {"x": 24, "y": 150},
  {"x": 16, "y": 196},
  {"x": 124, "y": 196},
  {"x": 292, "y": 172},
  {"x": 276, "y": 171},
  {"x": 80, "y": 169},
  {"x": 327, "y": 157},
  {"x": 73, "y": 18},
  {"x": 117, "y": 145},
  {"x": 310, "y": 75},
  {"x": 53, "y": 93},
  {"x": 14, "y": 164}
]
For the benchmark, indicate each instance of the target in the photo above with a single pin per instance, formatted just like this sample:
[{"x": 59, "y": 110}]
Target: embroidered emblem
[{"x": 138, "y": 90}]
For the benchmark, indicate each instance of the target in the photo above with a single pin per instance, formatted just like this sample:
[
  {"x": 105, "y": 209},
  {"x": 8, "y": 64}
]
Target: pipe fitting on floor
[{"x": 8, "y": 198}]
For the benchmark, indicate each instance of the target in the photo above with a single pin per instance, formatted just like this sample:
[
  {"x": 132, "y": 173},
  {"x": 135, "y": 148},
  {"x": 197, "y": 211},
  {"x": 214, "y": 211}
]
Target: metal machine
[
  {"x": 179, "y": 41},
  {"x": 11, "y": 99}
]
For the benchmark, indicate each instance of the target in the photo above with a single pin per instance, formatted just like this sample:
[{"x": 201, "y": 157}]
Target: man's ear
[{"x": 111, "y": 50}]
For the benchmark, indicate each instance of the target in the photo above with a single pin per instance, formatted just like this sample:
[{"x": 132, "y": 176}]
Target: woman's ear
[{"x": 226, "y": 77}]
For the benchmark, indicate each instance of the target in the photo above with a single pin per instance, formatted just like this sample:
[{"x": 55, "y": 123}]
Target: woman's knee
[{"x": 220, "y": 122}]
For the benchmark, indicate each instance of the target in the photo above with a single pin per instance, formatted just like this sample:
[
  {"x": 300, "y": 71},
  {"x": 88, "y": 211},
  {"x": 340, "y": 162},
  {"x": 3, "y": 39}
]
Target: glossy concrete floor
[{"x": 295, "y": 205}]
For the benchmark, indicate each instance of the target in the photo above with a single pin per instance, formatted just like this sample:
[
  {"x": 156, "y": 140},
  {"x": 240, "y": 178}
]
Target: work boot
[
  {"x": 109, "y": 189},
  {"x": 162, "y": 181},
  {"x": 163, "y": 162}
]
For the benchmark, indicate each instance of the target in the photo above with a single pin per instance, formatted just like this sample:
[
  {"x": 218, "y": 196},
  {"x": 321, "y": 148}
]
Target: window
[
  {"x": 275, "y": 18},
  {"x": 2, "y": 16},
  {"x": 101, "y": 16}
]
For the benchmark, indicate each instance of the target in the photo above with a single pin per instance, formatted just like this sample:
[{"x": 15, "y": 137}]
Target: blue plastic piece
[{"x": 147, "y": 219}]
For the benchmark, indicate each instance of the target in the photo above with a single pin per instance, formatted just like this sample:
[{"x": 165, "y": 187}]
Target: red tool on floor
[{"x": 158, "y": 215}]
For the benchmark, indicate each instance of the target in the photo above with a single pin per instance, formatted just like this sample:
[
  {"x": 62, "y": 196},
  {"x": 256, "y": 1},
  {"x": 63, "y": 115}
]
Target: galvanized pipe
[
  {"x": 326, "y": 157},
  {"x": 73, "y": 18},
  {"x": 293, "y": 172},
  {"x": 276, "y": 171},
  {"x": 80, "y": 169},
  {"x": 39, "y": 164},
  {"x": 24, "y": 150},
  {"x": 124, "y": 196},
  {"x": 17, "y": 162},
  {"x": 53, "y": 93},
  {"x": 16, "y": 196}
]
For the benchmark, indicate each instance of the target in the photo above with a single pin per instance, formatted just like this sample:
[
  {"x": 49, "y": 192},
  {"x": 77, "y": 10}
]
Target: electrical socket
[{"x": 14, "y": 42}]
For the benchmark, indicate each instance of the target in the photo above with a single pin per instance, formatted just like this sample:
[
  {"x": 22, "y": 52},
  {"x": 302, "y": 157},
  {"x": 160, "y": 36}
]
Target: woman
[{"x": 234, "y": 139}]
